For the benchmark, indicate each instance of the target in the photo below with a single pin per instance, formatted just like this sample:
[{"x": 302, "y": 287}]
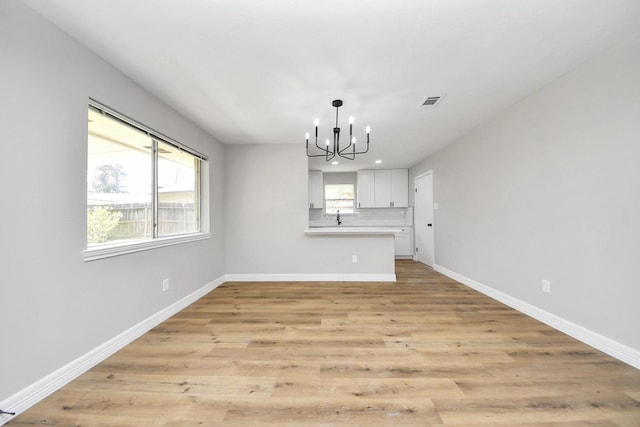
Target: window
[
  {"x": 339, "y": 197},
  {"x": 141, "y": 186}
]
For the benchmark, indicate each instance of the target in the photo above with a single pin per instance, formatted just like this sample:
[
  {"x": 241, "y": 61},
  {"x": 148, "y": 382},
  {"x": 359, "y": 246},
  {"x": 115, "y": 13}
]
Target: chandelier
[{"x": 347, "y": 152}]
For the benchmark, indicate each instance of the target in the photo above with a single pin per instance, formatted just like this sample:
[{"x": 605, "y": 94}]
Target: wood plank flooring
[{"x": 423, "y": 351}]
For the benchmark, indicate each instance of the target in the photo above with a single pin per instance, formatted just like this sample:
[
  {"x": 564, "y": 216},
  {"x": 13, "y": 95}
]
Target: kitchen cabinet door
[
  {"x": 383, "y": 188},
  {"x": 403, "y": 246},
  {"x": 400, "y": 188},
  {"x": 366, "y": 189},
  {"x": 316, "y": 190}
]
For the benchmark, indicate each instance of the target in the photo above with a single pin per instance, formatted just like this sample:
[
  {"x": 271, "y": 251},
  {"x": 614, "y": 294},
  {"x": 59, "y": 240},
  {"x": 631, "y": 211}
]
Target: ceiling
[{"x": 260, "y": 71}]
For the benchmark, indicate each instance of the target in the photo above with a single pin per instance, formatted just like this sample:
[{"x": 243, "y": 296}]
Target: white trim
[
  {"x": 103, "y": 109},
  {"x": 612, "y": 348},
  {"x": 430, "y": 171},
  {"x": 433, "y": 215},
  {"x": 311, "y": 277},
  {"x": 101, "y": 252},
  {"x": 32, "y": 394}
]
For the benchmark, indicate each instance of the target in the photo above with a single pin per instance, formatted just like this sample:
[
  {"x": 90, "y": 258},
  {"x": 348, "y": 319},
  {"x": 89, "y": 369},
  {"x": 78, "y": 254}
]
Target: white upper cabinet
[
  {"x": 383, "y": 188},
  {"x": 400, "y": 188},
  {"x": 366, "y": 189},
  {"x": 383, "y": 197},
  {"x": 316, "y": 190}
]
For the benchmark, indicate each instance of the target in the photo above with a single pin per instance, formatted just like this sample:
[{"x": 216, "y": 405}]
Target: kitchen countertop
[{"x": 337, "y": 230}]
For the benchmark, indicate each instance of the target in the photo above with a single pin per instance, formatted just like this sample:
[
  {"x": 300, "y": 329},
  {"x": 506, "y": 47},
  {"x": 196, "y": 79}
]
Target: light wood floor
[{"x": 423, "y": 351}]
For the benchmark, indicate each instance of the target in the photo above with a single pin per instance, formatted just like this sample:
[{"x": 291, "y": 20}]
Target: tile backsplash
[{"x": 378, "y": 217}]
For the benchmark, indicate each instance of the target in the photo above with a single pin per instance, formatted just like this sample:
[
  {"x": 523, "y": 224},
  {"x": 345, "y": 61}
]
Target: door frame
[{"x": 415, "y": 229}]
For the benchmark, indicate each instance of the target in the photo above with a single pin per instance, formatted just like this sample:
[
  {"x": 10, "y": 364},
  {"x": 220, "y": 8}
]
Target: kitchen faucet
[{"x": 338, "y": 218}]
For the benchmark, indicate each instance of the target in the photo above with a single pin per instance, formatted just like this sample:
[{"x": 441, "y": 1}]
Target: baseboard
[
  {"x": 606, "y": 345},
  {"x": 310, "y": 277},
  {"x": 42, "y": 388}
]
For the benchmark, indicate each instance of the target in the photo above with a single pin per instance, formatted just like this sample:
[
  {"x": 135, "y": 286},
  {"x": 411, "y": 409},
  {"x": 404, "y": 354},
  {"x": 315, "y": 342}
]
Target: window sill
[{"x": 107, "y": 251}]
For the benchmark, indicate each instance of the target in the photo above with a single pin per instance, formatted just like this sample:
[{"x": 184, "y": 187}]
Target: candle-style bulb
[
  {"x": 368, "y": 129},
  {"x": 316, "y": 122},
  {"x": 306, "y": 136},
  {"x": 353, "y": 140},
  {"x": 351, "y": 120},
  {"x": 327, "y": 142}
]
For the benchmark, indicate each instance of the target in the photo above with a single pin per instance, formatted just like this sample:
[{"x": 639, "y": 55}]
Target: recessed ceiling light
[
  {"x": 378, "y": 161},
  {"x": 335, "y": 163}
]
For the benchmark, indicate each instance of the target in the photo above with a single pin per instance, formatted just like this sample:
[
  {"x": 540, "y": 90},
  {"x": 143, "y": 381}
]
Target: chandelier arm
[
  {"x": 365, "y": 151},
  {"x": 350, "y": 138},
  {"x": 325, "y": 151},
  {"x": 330, "y": 155},
  {"x": 321, "y": 148},
  {"x": 314, "y": 155},
  {"x": 354, "y": 152},
  {"x": 346, "y": 148}
]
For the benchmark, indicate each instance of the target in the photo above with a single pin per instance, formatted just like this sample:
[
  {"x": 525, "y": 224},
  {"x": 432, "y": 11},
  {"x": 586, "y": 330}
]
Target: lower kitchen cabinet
[{"x": 403, "y": 242}]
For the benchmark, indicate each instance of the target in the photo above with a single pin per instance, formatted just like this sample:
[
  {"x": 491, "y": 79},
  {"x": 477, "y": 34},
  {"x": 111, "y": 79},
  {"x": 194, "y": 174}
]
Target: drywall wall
[
  {"x": 55, "y": 307},
  {"x": 266, "y": 215},
  {"x": 550, "y": 190}
]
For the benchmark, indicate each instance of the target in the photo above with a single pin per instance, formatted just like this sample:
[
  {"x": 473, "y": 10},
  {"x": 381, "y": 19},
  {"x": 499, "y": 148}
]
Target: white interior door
[{"x": 423, "y": 219}]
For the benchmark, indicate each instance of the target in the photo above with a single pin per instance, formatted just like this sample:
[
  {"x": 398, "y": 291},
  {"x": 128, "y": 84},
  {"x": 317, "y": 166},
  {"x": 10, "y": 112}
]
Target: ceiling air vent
[{"x": 431, "y": 101}]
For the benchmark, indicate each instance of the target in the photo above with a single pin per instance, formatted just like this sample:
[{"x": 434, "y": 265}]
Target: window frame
[
  {"x": 353, "y": 208},
  {"x": 106, "y": 250}
]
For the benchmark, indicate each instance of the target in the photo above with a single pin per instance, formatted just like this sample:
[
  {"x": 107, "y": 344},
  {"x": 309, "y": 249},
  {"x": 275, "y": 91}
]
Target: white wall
[
  {"x": 54, "y": 306},
  {"x": 550, "y": 189},
  {"x": 267, "y": 213}
]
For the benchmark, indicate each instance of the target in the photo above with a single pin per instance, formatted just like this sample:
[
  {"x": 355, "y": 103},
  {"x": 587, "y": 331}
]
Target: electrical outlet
[
  {"x": 546, "y": 286},
  {"x": 354, "y": 259},
  {"x": 165, "y": 285}
]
